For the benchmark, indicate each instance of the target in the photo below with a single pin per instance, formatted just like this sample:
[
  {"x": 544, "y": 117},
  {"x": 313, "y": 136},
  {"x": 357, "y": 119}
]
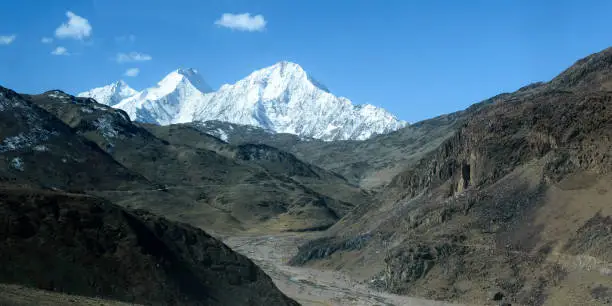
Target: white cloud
[
  {"x": 46, "y": 40},
  {"x": 242, "y": 22},
  {"x": 132, "y": 72},
  {"x": 77, "y": 27},
  {"x": 7, "y": 40},
  {"x": 60, "y": 51},
  {"x": 132, "y": 57}
]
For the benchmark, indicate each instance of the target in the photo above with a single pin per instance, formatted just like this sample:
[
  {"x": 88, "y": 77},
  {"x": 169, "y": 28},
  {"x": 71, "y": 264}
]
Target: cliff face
[
  {"x": 83, "y": 245},
  {"x": 573, "y": 128}
]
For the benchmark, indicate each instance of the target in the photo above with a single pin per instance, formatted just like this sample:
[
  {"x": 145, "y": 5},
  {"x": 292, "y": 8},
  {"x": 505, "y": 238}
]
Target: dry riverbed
[{"x": 311, "y": 286}]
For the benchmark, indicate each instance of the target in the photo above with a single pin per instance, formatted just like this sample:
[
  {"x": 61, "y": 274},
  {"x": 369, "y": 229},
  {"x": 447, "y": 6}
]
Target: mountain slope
[
  {"x": 274, "y": 161},
  {"x": 83, "y": 245},
  {"x": 215, "y": 190},
  {"x": 281, "y": 98},
  {"x": 37, "y": 149},
  {"x": 379, "y": 158},
  {"x": 593, "y": 72},
  {"x": 514, "y": 206}
]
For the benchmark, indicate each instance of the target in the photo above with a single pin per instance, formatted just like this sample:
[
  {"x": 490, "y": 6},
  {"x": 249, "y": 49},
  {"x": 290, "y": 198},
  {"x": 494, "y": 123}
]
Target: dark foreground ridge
[{"x": 86, "y": 246}]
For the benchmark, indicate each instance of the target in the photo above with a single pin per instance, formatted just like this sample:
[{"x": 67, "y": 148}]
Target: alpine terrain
[
  {"x": 471, "y": 166},
  {"x": 508, "y": 202},
  {"x": 282, "y": 98}
]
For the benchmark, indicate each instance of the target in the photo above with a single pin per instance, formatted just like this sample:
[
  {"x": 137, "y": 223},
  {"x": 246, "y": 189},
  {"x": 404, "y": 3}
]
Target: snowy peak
[
  {"x": 110, "y": 94},
  {"x": 280, "y": 70},
  {"x": 180, "y": 83},
  {"x": 284, "y": 98},
  {"x": 164, "y": 103},
  {"x": 281, "y": 98},
  {"x": 288, "y": 68},
  {"x": 280, "y": 77},
  {"x": 283, "y": 69},
  {"x": 182, "y": 78}
]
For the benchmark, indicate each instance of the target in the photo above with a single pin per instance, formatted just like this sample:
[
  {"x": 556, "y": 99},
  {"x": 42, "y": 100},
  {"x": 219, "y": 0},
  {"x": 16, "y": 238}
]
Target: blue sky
[{"x": 418, "y": 59}]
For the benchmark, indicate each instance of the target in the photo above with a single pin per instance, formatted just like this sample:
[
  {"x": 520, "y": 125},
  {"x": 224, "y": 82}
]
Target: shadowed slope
[{"x": 84, "y": 245}]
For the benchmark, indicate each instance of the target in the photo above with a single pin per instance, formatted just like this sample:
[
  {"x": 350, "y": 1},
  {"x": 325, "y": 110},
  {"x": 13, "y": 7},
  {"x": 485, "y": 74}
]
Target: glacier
[{"x": 282, "y": 98}]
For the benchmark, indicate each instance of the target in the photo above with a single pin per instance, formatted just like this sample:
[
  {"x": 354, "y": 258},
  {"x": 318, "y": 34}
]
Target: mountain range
[{"x": 282, "y": 98}]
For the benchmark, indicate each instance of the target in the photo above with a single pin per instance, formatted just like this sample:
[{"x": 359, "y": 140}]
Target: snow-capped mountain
[
  {"x": 282, "y": 98},
  {"x": 110, "y": 94},
  {"x": 165, "y": 103}
]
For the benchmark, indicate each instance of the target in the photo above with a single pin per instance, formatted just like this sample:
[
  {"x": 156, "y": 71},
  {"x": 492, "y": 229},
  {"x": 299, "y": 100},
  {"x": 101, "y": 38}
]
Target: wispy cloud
[
  {"x": 60, "y": 51},
  {"x": 7, "y": 39},
  {"x": 132, "y": 72},
  {"x": 46, "y": 40},
  {"x": 77, "y": 27},
  {"x": 132, "y": 57},
  {"x": 125, "y": 38},
  {"x": 242, "y": 22}
]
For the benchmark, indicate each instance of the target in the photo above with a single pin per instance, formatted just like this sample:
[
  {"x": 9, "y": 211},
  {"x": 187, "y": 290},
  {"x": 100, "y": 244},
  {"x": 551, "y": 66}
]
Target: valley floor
[{"x": 311, "y": 286}]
